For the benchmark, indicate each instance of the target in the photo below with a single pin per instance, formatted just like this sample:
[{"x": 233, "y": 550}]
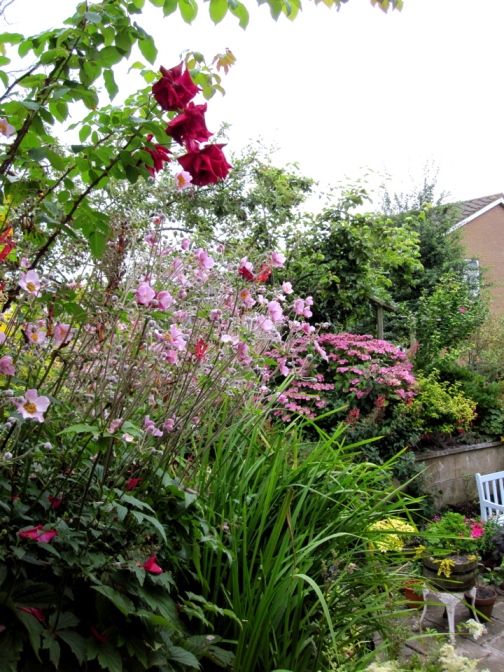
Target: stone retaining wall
[{"x": 450, "y": 472}]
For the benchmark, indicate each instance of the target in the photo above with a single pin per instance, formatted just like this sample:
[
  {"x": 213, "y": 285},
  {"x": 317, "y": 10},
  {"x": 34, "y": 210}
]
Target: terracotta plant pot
[
  {"x": 462, "y": 577},
  {"x": 483, "y": 603},
  {"x": 410, "y": 590}
]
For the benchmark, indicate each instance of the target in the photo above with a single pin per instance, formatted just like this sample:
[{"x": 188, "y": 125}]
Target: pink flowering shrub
[{"x": 367, "y": 373}]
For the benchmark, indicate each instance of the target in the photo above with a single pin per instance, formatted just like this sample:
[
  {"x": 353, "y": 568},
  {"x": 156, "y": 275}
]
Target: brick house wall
[{"x": 483, "y": 239}]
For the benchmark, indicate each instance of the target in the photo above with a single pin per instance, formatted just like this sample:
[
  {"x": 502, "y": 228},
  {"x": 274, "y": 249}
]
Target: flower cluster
[
  {"x": 387, "y": 537},
  {"x": 452, "y": 533},
  {"x": 201, "y": 165}
]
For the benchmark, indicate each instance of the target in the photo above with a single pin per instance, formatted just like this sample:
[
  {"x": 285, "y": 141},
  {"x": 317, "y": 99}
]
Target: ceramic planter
[
  {"x": 483, "y": 604},
  {"x": 410, "y": 590}
]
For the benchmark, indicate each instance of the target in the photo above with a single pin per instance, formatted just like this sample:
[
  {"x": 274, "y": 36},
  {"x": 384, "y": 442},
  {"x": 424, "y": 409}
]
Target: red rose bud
[
  {"x": 55, "y": 501},
  {"x": 159, "y": 156},
  {"x": 189, "y": 127},
  {"x": 151, "y": 566},
  {"x": 263, "y": 274},
  {"x": 132, "y": 483},
  {"x": 174, "y": 90},
  {"x": 201, "y": 348},
  {"x": 206, "y": 166}
]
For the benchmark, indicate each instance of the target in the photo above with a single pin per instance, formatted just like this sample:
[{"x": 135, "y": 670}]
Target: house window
[{"x": 472, "y": 275}]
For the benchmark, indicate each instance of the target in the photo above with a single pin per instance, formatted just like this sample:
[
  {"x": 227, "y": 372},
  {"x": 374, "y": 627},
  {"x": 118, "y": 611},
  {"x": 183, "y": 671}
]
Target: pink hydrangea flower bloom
[
  {"x": 6, "y": 128},
  {"x": 144, "y": 294},
  {"x": 35, "y": 335},
  {"x": 277, "y": 259},
  {"x": 183, "y": 180},
  {"x": 30, "y": 282},
  {"x": 6, "y": 366},
  {"x": 31, "y": 406},
  {"x": 62, "y": 333},
  {"x": 287, "y": 288}
]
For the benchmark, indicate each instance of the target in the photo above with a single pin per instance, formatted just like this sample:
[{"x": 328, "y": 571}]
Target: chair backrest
[{"x": 491, "y": 494}]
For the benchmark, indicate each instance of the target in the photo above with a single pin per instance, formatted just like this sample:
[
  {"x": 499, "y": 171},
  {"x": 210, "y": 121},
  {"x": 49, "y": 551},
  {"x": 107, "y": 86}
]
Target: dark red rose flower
[
  {"x": 189, "y": 127},
  {"x": 245, "y": 273},
  {"x": 55, "y": 501},
  {"x": 160, "y": 156},
  {"x": 39, "y": 534},
  {"x": 175, "y": 89},
  {"x": 206, "y": 166}
]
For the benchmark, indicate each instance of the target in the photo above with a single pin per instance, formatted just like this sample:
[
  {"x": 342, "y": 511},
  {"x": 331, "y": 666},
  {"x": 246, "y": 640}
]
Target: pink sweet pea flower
[
  {"x": 183, "y": 180},
  {"x": 38, "y": 534},
  {"x": 151, "y": 566},
  {"x": 6, "y": 366},
  {"x": 35, "y": 335},
  {"x": 150, "y": 427},
  {"x": 6, "y": 128},
  {"x": 62, "y": 333},
  {"x": 144, "y": 294},
  {"x": 31, "y": 405},
  {"x": 30, "y": 282},
  {"x": 277, "y": 259}
]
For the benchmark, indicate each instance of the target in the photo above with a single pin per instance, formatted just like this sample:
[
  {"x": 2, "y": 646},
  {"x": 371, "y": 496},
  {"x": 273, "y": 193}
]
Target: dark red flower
[
  {"x": 39, "y": 534},
  {"x": 245, "y": 273},
  {"x": 132, "y": 483},
  {"x": 175, "y": 89},
  {"x": 263, "y": 274},
  {"x": 189, "y": 127},
  {"x": 101, "y": 638},
  {"x": 38, "y": 613},
  {"x": 159, "y": 156},
  {"x": 55, "y": 501},
  {"x": 151, "y": 566},
  {"x": 206, "y": 166},
  {"x": 201, "y": 348}
]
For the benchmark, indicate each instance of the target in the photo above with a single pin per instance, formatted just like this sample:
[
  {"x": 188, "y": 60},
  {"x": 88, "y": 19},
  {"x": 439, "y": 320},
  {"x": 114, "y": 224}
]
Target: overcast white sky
[{"x": 342, "y": 92}]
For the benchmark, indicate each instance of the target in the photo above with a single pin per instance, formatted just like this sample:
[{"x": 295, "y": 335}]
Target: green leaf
[
  {"x": 53, "y": 55},
  {"x": 241, "y": 14},
  {"x": 92, "y": 17},
  {"x": 109, "y": 658},
  {"x": 97, "y": 243},
  {"x": 79, "y": 148},
  {"x": 123, "y": 603},
  {"x": 30, "y": 105},
  {"x": 139, "y": 3},
  {"x": 56, "y": 161},
  {"x": 169, "y": 7},
  {"x": 108, "y": 35},
  {"x": 132, "y": 174},
  {"x": 76, "y": 642},
  {"x": 36, "y": 154},
  {"x": 188, "y": 10},
  {"x": 218, "y": 10},
  {"x": 110, "y": 56},
  {"x": 148, "y": 49},
  {"x": 157, "y": 3},
  {"x": 84, "y": 133},
  {"x": 33, "y": 628},
  {"x": 81, "y": 429},
  {"x": 110, "y": 84},
  {"x": 25, "y": 47},
  {"x": 11, "y": 38},
  {"x": 153, "y": 521},
  {"x": 180, "y": 655},
  {"x": 5, "y": 78}
]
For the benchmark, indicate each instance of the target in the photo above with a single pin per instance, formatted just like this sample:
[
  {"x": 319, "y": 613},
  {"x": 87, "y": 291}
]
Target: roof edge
[{"x": 478, "y": 213}]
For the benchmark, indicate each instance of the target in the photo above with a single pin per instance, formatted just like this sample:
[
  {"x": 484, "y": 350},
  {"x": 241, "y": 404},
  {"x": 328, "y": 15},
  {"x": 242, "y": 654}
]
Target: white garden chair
[{"x": 491, "y": 495}]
